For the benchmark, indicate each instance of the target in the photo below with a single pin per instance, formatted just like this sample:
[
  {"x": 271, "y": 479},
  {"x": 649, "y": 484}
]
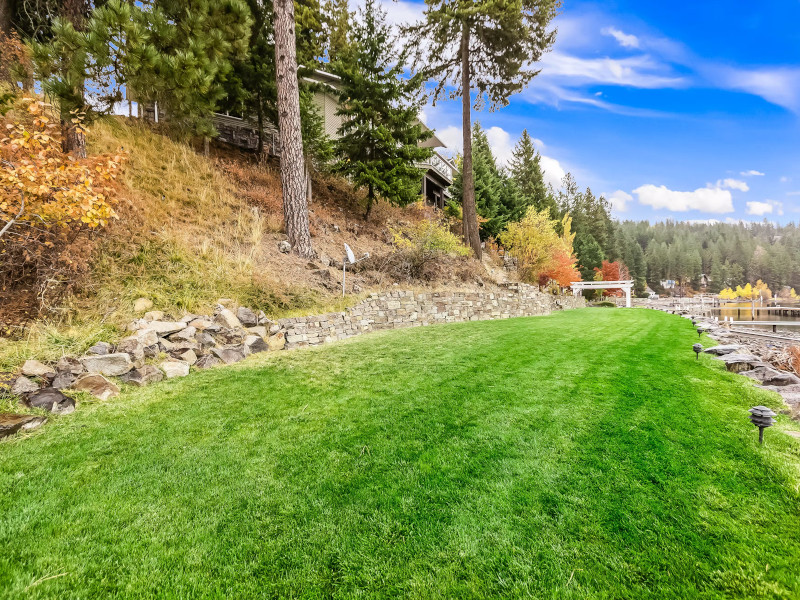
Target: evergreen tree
[
  {"x": 380, "y": 132},
  {"x": 589, "y": 255},
  {"x": 526, "y": 171},
  {"x": 336, "y": 20},
  {"x": 481, "y": 45}
]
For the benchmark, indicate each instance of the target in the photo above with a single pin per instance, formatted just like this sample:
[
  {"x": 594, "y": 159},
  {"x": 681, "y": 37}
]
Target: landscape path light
[
  {"x": 761, "y": 417},
  {"x": 700, "y": 331},
  {"x": 349, "y": 257},
  {"x": 698, "y": 348}
]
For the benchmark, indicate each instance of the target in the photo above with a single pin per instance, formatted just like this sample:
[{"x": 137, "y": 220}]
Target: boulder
[
  {"x": 165, "y": 345},
  {"x": 133, "y": 347},
  {"x": 144, "y": 375},
  {"x": 206, "y": 362},
  {"x": 723, "y": 349},
  {"x": 201, "y": 323},
  {"x": 97, "y": 385},
  {"x": 188, "y": 318},
  {"x": 260, "y": 331},
  {"x": 277, "y": 341},
  {"x": 141, "y": 305},
  {"x": 111, "y": 364},
  {"x": 154, "y": 315},
  {"x": 184, "y": 334},
  {"x": 229, "y": 355},
  {"x": 284, "y": 247},
  {"x": 67, "y": 364},
  {"x": 205, "y": 339},
  {"x": 255, "y": 344},
  {"x": 152, "y": 351},
  {"x": 246, "y": 317},
  {"x": 52, "y": 400},
  {"x": 147, "y": 336},
  {"x": 166, "y": 327},
  {"x": 11, "y": 423},
  {"x": 63, "y": 380},
  {"x": 771, "y": 377},
  {"x": 101, "y": 349},
  {"x": 188, "y": 356},
  {"x": 274, "y": 328},
  {"x": 34, "y": 368},
  {"x": 22, "y": 386},
  {"x": 226, "y": 318},
  {"x": 174, "y": 368},
  {"x": 737, "y": 363}
]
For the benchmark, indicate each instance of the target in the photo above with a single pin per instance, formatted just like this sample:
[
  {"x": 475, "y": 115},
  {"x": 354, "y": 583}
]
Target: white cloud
[
  {"x": 501, "y": 145},
  {"x": 751, "y": 173},
  {"x": 793, "y": 193},
  {"x": 767, "y": 207},
  {"x": 777, "y": 85},
  {"x": 552, "y": 170},
  {"x": 619, "y": 200},
  {"x": 709, "y": 199},
  {"x": 759, "y": 208},
  {"x": 451, "y": 136},
  {"x": 733, "y": 184},
  {"x": 625, "y": 40},
  {"x": 785, "y": 179},
  {"x": 633, "y": 71}
]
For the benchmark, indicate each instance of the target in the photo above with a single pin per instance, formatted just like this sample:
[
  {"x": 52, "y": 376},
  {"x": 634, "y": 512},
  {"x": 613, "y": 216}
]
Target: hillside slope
[{"x": 192, "y": 230}]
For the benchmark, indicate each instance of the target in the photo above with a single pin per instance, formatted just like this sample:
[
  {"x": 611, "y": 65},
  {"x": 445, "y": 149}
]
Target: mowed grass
[{"x": 581, "y": 455}]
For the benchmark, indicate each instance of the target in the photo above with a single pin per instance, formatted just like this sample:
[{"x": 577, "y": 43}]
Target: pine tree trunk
[
  {"x": 260, "y": 114},
  {"x": 469, "y": 216},
  {"x": 6, "y": 14},
  {"x": 295, "y": 206}
]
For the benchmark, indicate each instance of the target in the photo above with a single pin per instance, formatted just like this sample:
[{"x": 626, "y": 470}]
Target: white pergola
[{"x": 624, "y": 285}]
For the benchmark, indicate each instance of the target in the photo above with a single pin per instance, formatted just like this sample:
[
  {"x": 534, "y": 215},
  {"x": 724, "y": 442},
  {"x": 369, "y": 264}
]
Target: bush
[
  {"x": 425, "y": 241},
  {"x": 605, "y": 304}
]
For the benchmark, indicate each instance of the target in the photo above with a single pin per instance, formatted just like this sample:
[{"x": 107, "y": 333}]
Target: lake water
[{"x": 744, "y": 312}]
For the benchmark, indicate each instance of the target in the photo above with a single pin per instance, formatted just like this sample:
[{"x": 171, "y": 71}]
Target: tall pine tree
[
  {"x": 380, "y": 132},
  {"x": 526, "y": 171},
  {"x": 485, "y": 46}
]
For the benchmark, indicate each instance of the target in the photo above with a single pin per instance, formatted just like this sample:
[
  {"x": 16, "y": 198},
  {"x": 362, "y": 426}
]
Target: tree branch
[{"x": 8, "y": 225}]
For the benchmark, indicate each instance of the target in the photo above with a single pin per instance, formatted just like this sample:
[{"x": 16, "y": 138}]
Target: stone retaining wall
[{"x": 395, "y": 310}]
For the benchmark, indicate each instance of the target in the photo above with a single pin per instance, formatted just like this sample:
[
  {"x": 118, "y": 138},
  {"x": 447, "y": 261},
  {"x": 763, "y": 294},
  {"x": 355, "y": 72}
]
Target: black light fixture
[
  {"x": 698, "y": 348},
  {"x": 700, "y": 331},
  {"x": 761, "y": 417}
]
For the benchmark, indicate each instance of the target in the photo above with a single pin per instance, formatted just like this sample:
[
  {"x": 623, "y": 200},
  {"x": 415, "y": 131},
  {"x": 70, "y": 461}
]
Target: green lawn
[{"x": 582, "y": 455}]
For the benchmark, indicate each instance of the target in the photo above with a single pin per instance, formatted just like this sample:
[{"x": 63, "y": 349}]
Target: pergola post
[{"x": 627, "y": 296}]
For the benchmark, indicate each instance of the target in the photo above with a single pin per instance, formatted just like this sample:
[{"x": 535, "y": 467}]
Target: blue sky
[{"x": 681, "y": 110}]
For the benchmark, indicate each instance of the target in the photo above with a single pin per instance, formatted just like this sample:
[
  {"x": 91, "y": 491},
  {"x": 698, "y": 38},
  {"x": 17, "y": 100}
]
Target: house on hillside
[{"x": 439, "y": 171}]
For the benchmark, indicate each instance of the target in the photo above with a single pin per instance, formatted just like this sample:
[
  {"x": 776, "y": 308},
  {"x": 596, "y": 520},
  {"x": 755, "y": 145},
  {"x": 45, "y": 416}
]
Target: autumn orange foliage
[
  {"x": 612, "y": 271},
  {"x": 49, "y": 201}
]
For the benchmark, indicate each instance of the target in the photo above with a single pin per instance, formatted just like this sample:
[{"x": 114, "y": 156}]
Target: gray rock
[
  {"x": 97, "y": 385},
  {"x": 246, "y": 317},
  {"x": 152, "y": 351},
  {"x": 771, "y": 377},
  {"x": 52, "y": 401},
  {"x": 147, "y": 336},
  {"x": 67, "y": 364},
  {"x": 256, "y": 344},
  {"x": 260, "y": 331},
  {"x": 208, "y": 361},
  {"x": 166, "y": 327},
  {"x": 189, "y": 357},
  {"x": 154, "y": 315},
  {"x": 34, "y": 368},
  {"x": 284, "y": 247},
  {"x": 133, "y": 347},
  {"x": 226, "y": 318},
  {"x": 63, "y": 380},
  {"x": 206, "y": 340},
  {"x": 175, "y": 368},
  {"x": 166, "y": 345},
  {"x": 11, "y": 423},
  {"x": 183, "y": 335},
  {"x": 742, "y": 362},
  {"x": 101, "y": 348},
  {"x": 111, "y": 364},
  {"x": 144, "y": 375},
  {"x": 229, "y": 355},
  {"x": 23, "y": 386},
  {"x": 201, "y": 323},
  {"x": 723, "y": 349},
  {"x": 230, "y": 336}
]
